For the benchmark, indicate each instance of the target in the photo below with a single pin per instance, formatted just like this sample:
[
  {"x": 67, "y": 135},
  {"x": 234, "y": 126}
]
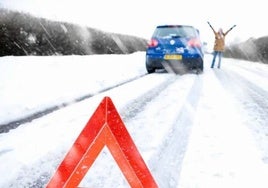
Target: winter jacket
[{"x": 219, "y": 43}]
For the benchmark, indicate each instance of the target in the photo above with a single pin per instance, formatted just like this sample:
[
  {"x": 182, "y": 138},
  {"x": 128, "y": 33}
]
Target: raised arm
[
  {"x": 211, "y": 27},
  {"x": 229, "y": 30}
]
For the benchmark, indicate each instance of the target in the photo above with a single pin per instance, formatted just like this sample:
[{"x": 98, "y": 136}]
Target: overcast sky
[{"x": 139, "y": 17}]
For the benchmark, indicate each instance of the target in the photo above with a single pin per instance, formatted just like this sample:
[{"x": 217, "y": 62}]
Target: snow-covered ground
[{"x": 200, "y": 131}]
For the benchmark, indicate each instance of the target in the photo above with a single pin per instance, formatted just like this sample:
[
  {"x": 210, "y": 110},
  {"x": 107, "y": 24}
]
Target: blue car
[{"x": 176, "y": 48}]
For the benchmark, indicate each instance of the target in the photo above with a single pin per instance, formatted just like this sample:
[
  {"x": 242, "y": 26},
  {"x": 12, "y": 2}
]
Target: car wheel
[
  {"x": 150, "y": 69},
  {"x": 201, "y": 68}
]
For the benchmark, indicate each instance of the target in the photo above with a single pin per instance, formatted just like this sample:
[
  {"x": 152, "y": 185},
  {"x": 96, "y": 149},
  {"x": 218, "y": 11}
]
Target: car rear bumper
[{"x": 189, "y": 62}]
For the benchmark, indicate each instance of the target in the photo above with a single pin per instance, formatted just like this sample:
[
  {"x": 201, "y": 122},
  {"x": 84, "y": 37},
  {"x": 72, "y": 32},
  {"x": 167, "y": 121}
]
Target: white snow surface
[{"x": 193, "y": 131}]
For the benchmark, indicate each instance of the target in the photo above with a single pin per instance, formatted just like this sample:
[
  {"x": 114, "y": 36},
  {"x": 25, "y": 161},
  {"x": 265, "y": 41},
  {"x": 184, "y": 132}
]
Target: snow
[
  {"x": 77, "y": 76},
  {"x": 191, "y": 130}
]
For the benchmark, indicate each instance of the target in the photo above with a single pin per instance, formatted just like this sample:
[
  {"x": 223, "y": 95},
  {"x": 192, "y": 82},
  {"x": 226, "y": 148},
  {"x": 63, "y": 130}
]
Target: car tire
[
  {"x": 201, "y": 68},
  {"x": 150, "y": 70}
]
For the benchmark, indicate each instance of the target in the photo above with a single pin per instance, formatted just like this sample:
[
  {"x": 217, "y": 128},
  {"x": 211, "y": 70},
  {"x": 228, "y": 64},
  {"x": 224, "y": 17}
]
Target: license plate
[{"x": 175, "y": 57}]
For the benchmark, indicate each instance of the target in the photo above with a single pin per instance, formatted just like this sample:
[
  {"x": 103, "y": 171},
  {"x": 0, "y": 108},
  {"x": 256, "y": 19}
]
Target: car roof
[{"x": 163, "y": 26}]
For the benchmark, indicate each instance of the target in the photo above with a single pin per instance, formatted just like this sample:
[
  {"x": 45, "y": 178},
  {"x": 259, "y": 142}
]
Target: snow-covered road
[{"x": 200, "y": 131}]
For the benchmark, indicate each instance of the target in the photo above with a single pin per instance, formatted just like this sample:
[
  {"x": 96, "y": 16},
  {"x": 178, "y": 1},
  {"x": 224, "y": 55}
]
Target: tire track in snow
[
  {"x": 136, "y": 106},
  {"x": 169, "y": 166},
  {"x": 4, "y": 128},
  {"x": 255, "y": 107}
]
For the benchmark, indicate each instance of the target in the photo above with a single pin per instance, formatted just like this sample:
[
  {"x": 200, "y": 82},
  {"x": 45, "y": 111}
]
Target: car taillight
[
  {"x": 194, "y": 43},
  {"x": 153, "y": 43}
]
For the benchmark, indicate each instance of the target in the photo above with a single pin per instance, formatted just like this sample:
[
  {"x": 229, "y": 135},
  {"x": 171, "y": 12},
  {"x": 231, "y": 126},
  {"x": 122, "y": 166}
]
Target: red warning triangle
[{"x": 104, "y": 128}]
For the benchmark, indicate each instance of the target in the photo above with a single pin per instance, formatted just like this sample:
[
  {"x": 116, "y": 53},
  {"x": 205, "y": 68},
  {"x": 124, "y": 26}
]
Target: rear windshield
[{"x": 175, "y": 31}]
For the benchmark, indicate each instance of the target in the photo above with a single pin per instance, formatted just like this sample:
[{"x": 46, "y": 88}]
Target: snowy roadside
[
  {"x": 221, "y": 151},
  {"x": 34, "y": 83}
]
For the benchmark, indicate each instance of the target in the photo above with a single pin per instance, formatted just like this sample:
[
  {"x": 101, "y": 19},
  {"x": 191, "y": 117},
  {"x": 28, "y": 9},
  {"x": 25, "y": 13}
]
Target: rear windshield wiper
[{"x": 176, "y": 36}]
